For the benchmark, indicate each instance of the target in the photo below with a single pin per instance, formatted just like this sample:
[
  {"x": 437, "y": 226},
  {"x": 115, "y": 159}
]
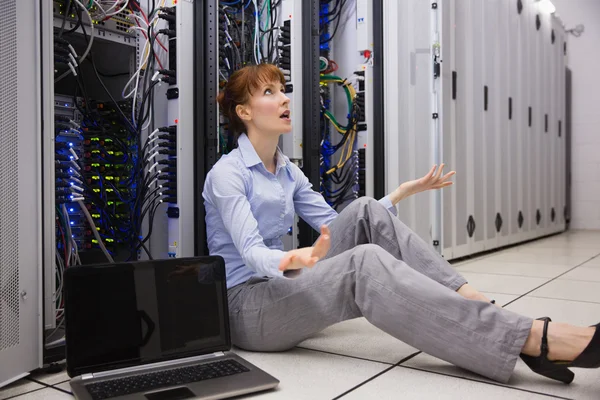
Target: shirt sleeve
[
  {"x": 227, "y": 193},
  {"x": 387, "y": 203},
  {"x": 312, "y": 207}
]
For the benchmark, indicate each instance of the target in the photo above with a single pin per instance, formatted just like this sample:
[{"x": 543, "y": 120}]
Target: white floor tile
[
  {"x": 501, "y": 298},
  {"x": 508, "y": 284},
  {"x": 407, "y": 383},
  {"x": 572, "y": 312},
  {"x": 554, "y": 249},
  {"x": 592, "y": 263},
  {"x": 50, "y": 379},
  {"x": 359, "y": 338},
  {"x": 45, "y": 394},
  {"x": 20, "y": 387},
  {"x": 591, "y": 274},
  {"x": 307, "y": 374},
  {"x": 570, "y": 240},
  {"x": 547, "y": 259},
  {"x": 585, "y": 386},
  {"x": 570, "y": 290},
  {"x": 513, "y": 268}
]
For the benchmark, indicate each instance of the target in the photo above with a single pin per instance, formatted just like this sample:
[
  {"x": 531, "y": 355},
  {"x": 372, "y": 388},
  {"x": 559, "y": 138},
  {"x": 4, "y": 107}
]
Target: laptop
[{"x": 154, "y": 330}]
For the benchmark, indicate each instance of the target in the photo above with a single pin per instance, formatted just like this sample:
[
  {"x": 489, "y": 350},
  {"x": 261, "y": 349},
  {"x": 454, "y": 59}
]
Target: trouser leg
[{"x": 277, "y": 314}]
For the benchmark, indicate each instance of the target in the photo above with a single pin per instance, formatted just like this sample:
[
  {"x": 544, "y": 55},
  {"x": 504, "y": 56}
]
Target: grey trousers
[{"x": 378, "y": 268}]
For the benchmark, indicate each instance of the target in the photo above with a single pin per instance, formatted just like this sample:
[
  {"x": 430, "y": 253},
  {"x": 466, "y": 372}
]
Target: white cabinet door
[
  {"x": 20, "y": 211},
  {"x": 409, "y": 138}
]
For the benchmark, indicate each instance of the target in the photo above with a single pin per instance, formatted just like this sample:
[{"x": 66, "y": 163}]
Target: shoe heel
[
  {"x": 563, "y": 374},
  {"x": 549, "y": 370}
]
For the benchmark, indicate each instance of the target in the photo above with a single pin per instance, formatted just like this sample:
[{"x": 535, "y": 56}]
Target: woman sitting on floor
[{"x": 365, "y": 263}]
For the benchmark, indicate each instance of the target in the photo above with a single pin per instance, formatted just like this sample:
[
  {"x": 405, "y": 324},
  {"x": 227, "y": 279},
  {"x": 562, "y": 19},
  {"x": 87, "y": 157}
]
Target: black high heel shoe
[{"x": 559, "y": 370}]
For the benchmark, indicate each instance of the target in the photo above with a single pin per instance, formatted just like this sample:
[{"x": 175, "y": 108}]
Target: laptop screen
[{"x": 136, "y": 313}]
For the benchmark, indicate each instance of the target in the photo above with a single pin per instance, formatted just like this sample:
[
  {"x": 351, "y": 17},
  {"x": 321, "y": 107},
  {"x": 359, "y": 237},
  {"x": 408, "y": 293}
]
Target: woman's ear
[{"x": 243, "y": 112}]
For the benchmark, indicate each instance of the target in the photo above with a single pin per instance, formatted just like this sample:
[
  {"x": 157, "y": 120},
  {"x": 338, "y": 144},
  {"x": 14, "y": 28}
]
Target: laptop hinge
[
  {"x": 87, "y": 376},
  {"x": 151, "y": 366}
]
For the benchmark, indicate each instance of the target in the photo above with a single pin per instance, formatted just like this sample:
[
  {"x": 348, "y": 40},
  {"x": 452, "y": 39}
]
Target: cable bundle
[
  {"x": 344, "y": 173},
  {"x": 328, "y": 17},
  {"x": 239, "y": 36},
  {"x": 268, "y": 34},
  {"x": 158, "y": 149},
  {"x": 158, "y": 179},
  {"x": 339, "y": 159}
]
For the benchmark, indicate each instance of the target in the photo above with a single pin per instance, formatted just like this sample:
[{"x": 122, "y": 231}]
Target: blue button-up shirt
[{"x": 249, "y": 209}]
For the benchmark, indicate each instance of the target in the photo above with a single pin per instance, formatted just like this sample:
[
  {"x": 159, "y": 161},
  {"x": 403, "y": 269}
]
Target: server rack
[{"x": 501, "y": 92}]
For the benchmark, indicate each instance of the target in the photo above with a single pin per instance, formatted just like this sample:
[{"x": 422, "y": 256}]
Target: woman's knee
[
  {"x": 367, "y": 201},
  {"x": 365, "y": 252},
  {"x": 359, "y": 206},
  {"x": 366, "y": 257},
  {"x": 362, "y": 202}
]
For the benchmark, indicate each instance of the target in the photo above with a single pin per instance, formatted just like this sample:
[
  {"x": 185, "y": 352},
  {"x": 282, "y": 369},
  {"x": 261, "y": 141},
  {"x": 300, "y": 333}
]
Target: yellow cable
[{"x": 348, "y": 146}]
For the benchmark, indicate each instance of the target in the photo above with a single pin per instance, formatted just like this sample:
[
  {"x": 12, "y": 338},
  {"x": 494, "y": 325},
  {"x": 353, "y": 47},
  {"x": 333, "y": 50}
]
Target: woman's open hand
[
  {"x": 433, "y": 180},
  {"x": 307, "y": 256}
]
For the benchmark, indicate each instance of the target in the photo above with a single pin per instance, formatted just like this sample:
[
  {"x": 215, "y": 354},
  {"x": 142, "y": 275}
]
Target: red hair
[{"x": 240, "y": 87}]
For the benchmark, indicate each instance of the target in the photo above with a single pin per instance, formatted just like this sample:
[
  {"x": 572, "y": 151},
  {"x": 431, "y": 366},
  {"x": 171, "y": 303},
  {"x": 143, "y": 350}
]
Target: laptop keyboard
[{"x": 171, "y": 377}]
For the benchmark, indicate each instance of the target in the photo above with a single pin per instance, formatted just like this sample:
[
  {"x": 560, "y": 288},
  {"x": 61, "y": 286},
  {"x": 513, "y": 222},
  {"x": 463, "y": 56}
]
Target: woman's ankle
[
  {"x": 533, "y": 344},
  {"x": 565, "y": 342}
]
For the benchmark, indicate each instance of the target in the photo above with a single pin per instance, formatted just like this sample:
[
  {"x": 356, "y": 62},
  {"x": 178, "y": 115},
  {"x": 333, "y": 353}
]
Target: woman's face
[{"x": 268, "y": 110}]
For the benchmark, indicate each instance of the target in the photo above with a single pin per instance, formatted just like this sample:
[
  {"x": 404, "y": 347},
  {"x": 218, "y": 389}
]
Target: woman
[{"x": 365, "y": 263}]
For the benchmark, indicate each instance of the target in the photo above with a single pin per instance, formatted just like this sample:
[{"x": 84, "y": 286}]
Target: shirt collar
[
  {"x": 251, "y": 158},
  {"x": 249, "y": 155}
]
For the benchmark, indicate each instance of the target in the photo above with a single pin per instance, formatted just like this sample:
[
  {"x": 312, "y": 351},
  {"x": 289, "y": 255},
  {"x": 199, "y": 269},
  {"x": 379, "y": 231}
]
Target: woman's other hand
[{"x": 307, "y": 256}]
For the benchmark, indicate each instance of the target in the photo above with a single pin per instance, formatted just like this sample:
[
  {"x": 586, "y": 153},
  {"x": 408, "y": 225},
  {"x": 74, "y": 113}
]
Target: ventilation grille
[{"x": 9, "y": 197}]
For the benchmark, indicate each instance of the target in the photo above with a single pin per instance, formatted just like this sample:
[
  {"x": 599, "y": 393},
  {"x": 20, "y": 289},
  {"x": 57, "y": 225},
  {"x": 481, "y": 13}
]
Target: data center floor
[{"x": 557, "y": 276}]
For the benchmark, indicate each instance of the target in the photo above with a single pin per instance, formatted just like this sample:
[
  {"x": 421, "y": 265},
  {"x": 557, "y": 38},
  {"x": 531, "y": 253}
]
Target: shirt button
[{"x": 281, "y": 215}]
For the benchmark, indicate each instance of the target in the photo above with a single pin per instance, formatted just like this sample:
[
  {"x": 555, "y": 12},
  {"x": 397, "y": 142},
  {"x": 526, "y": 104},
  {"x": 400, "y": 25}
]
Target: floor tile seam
[
  {"x": 24, "y": 393},
  {"x": 48, "y": 385},
  {"x": 391, "y": 367},
  {"x": 562, "y": 299},
  {"x": 346, "y": 355},
  {"x": 551, "y": 280}
]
